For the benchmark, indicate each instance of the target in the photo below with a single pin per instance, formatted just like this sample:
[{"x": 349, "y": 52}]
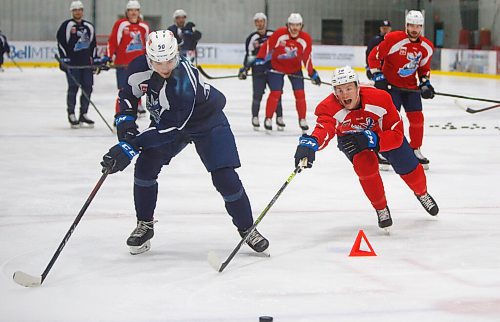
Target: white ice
[{"x": 428, "y": 269}]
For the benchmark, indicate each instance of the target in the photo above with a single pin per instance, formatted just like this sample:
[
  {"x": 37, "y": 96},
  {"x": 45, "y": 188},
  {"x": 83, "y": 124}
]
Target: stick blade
[
  {"x": 214, "y": 260},
  {"x": 27, "y": 280}
]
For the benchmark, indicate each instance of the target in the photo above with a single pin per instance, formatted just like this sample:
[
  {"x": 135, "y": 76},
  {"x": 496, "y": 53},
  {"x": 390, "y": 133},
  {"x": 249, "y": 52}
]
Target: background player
[
  {"x": 385, "y": 28},
  {"x": 259, "y": 72},
  {"x": 183, "y": 110},
  {"x": 4, "y": 49},
  {"x": 396, "y": 61},
  {"x": 77, "y": 47},
  {"x": 366, "y": 121},
  {"x": 288, "y": 48},
  {"x": 186, "y": 34},
  {"x": 126, "y": 42}
]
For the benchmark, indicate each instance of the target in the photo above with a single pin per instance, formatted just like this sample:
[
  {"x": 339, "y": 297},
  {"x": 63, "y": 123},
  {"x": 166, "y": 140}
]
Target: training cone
[{"x": 356, "y": 251}]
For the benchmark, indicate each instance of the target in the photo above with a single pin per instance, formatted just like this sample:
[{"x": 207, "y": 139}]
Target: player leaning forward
[
  {"x": 366, "y": 122},
  {"x": 183, "y": 110}
]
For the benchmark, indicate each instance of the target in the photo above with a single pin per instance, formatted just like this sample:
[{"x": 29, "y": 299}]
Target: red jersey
[
  {"x": 402, "y": 58},
  {"x": 377, "y": 113},
  {"x": 127, "y": 41},
  {"x": 288, "y": 53}
]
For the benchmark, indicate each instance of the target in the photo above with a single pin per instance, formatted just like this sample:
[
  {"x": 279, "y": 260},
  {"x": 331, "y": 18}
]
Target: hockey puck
[{"x": 265, "y": 319}]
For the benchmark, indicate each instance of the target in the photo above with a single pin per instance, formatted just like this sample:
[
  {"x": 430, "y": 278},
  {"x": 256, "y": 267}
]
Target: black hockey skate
[
  {"x": 384, "y": 218},
  {"x": 421, "y": 159},
  {"x": 280, "y": 124},
  {"x": 73, "y": 122},
  {"x": 256, "y": 241},
  {"x": 85, "y": 121},
  {"x": 428, "y": 203},
  {"x": 255, "y": 123},
  {"x": 268, "y": 124},
  {"x": 303, "y": 125},
  {"x": 138, "y": 242},
  {"x": 383, "y": 163}
]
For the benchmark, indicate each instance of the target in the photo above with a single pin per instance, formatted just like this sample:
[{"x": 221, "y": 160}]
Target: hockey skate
[
  {"x": 268, "y": 124},
  {"x": 428, "y": 203},
  {"x": 303, "y": 125},
  {"x": 384, "y": 218},
  {"x": 138, "y": 242},
  {"x": 255, "y": 123},
  {"x": 383, "y": 163},
  {"x": 256, "y": 241},
  {"x": 280, "y": 124},
  {"x": 74, "y": 123},
  {"x": 85, "y": 121},
  {"x": 421, "y": 159}
]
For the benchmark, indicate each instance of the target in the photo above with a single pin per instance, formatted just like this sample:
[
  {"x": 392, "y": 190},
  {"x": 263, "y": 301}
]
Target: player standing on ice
[
  {"x": 259, "y": 72},
  {"x": 186, "y": 34},
  {"x": 395, "y": 63},
  {"x": 366, "y": 122},
  {"x": 126, "y": 42},
  {"x": 384, "y": 29},
  {"x": 288, "y": 48},
  {"x": 4, "y": 48},
  {"x": 77, "y": 47},
  {"x": 183, "y": 110}
]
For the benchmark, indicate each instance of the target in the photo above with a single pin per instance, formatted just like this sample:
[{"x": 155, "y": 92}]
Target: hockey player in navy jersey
[
  {"x": 186, "y": 34},
  {"x": 4, "y": 49},
  {"x": 183, "y": 110},
  {"x": 77, "y": 47},
  {"x": 259, "y": 72}
]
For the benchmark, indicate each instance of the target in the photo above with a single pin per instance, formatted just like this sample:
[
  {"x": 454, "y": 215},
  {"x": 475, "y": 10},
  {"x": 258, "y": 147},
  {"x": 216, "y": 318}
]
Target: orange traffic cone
[{"x": 355, "y": 251}]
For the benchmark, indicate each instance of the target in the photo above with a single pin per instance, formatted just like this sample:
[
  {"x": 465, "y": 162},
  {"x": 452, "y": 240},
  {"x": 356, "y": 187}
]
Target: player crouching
[{"x": 366, "y": 122}]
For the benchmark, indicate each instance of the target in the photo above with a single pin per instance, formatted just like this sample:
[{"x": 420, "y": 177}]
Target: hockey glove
[
  {"x": 63, "y": 64},
  {"x": 259, "y": 62},
  {"x": 242, "y": 74},
  {"x": 308, "y": 145},
  {"x": 369, "y": 73},
  {"x": 352, "y": 144},
  {"x": 315, "y": 78},
  {"x": 126, "y": 128},
  {"x": 118, "y": 157},
  {"x": 426, "y": 89},
  {"x": 380, "y": 81}
]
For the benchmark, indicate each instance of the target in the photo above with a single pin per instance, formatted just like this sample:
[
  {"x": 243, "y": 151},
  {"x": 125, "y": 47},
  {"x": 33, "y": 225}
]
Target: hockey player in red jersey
[
  {"x": 366, "y": 122},
  {"x": 395, "y": 63},
  {"x": 288, "y": 48},
  {"x": 126, "y": 42}
]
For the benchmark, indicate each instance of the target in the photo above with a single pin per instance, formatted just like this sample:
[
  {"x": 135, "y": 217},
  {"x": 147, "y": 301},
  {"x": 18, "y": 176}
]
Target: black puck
[{"x": 265, "y": 319}]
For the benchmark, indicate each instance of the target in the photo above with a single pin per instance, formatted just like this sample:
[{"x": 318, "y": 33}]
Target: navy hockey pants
[
  {"x": 260, "y": 78},
  {"x": 86, "y": 80}
]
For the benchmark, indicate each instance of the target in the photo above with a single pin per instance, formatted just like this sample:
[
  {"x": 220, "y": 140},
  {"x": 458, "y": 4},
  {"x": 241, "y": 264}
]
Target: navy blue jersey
[
  {"x": 252, "y": 46},
  {"x": 4, "y": 45},
  {"x": 183, "y": 101},
  {"x": 187, "y": 36},
  {"x": 76, "y": 41},
  {"x": 372, "y": 44}
]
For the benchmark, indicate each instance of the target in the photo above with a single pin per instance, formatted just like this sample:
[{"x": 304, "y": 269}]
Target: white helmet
[
  {"x": 161, "y": 46},
  {"x": 295, "y": 18},
  {"x": 260, "y": 15},
  {"x": 414, "y": 17},
  {"x": 179, "y": 13},
  {"x": 344, "y": 75},
  {"x": 133, "y": 4},
  {"x": 75, "y": 5}
]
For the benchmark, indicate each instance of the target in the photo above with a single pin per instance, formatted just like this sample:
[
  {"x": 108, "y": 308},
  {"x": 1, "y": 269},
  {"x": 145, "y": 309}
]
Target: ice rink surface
[{"x": 428, "y": 269}]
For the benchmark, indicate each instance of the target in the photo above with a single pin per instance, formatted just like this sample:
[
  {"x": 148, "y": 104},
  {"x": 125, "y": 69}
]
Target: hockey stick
[
  {"x": 65, "y": 66},
  {"x": 214, "y": 260},
  {"x": 470, "y": 110},
  {"x": 468, "y": 98},
  {"x": 296, "y": 76},
  {"x": 15, "y": 63},
  {"x": 202, "y": 71},
  {"x": 27, "y": 280}
]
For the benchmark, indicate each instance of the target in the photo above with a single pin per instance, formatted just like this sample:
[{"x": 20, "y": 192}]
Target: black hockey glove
[
  {"x": 63, "y": 65},
  {"x": 118, "y": 157},
  {"x": 126, "y": 128},
  {"x": 315, "y": 78},
  {"x": 352, "y": 144},
  {"x": 380, "y": 81},
  {"x": 308, "y": 145},
  {"x": 369, "y": 73},
  {"x": 426, "y": 89},
  {"x": 243, "y": 72}
]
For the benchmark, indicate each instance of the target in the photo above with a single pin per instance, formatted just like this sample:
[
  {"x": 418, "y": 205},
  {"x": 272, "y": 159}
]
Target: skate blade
[
  {"x": 86, "y": 126},
  {"x": 281, "y": 128},
  {"x": 386, "y": 230},
  {"x": 256, "y": 128},
  {"x": 425, "y": 166},
  {"x": 136, "y": 250},
  {"x": 77, "y": 126}
]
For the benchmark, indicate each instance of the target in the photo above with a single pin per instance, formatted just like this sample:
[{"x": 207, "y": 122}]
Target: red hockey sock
[
  {"x": 366, "y": 167},
  {"x": 272, "y": 102},
  {"x": 300, "y": 103},
  {"x": 416, "y": 128},
  {"x": 117, "y": 106},
  {"x": 416, "y": 180}
]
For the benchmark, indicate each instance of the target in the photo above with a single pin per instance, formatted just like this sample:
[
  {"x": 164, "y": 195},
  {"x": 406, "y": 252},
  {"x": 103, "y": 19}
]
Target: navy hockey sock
[{"x": 145, "y": 195}]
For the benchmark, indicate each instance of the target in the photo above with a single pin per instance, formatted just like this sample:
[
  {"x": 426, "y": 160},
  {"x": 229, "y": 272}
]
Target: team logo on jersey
[
  {"x": 290, "y": 53},
  {"x": 143, "y": 87},
  {"x": 135, "y": 43},
  {"x": 354, "y": 127},
  {"x": 402, "y": 51},
  {"x": 84, "y": 40},
  {"x": 73, "y": 30},
  {"x": 412, "y": 65}
]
